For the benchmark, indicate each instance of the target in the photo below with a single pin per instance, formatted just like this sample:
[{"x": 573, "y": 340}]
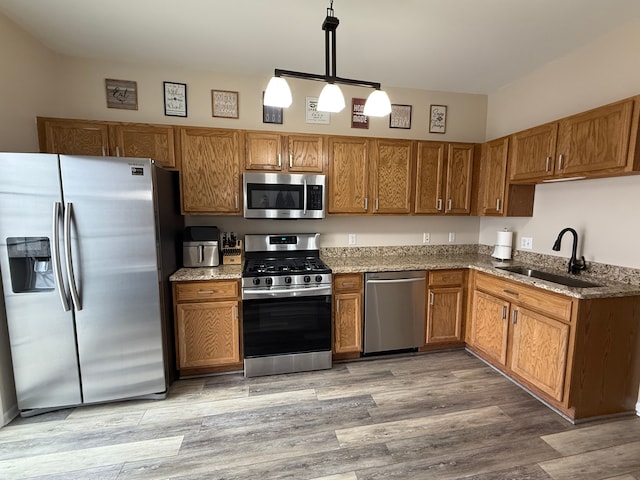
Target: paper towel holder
[{"x": 504, "y": 242}]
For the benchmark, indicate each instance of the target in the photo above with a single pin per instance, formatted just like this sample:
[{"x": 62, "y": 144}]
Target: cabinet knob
[
  {"x": 439, "y": 204},
  {"x": 504, "y": 312},
  {"x": 497, "y": 204},
  {"x": 514, "y": 317}
]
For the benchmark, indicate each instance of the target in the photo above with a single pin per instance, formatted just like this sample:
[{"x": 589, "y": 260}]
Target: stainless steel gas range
[{"x": 286, "y": 305}]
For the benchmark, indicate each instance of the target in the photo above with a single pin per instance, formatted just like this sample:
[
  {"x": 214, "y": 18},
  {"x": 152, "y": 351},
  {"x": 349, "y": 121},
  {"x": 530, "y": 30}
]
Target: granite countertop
[{"x": 378, "y": 263}]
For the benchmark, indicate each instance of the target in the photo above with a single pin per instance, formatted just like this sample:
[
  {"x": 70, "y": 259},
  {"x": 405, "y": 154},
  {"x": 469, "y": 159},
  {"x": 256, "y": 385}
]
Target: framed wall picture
[
  {"x": 400, "y": 116},
  {"x": 312, "y": 115},
  {"x": 224, "y": 103},
  {"x": 121, "y": 94},
  {"x": 358, "y": 118},
  {"x": 271, "y": 114},
  {"x": 437, "y": 118},
  {"x": 175, "y": 99}
]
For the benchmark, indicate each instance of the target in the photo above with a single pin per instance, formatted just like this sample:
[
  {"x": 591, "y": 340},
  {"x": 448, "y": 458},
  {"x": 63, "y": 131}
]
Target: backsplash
[{"x": 542, "y": 261}]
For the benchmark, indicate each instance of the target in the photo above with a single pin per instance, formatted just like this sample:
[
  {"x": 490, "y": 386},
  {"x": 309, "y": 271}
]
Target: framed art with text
[
  {"x": 400, "y": 116},
  {"x": 175, "y": 99},
  {"x": 437, "y": 118}
]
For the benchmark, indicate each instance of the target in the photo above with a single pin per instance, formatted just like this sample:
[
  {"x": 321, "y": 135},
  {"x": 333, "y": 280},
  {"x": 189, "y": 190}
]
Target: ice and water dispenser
[{"x": 30, "y": 264}]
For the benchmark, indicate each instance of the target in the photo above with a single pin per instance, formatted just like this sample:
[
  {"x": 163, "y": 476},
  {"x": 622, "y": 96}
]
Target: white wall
[{"x": 605, "y": 212}]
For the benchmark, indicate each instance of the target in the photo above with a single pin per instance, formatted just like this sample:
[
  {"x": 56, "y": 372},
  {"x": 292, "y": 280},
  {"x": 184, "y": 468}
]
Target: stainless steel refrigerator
[{"x": 86, "y": 248}]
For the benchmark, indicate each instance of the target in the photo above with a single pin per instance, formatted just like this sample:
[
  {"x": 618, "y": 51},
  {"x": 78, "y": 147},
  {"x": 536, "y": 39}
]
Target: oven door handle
[{"x": 286, "y": 292}]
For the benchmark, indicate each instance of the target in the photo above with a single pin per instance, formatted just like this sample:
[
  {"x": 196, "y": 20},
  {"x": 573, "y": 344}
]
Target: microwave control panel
[{"x": 314, "y": 197}]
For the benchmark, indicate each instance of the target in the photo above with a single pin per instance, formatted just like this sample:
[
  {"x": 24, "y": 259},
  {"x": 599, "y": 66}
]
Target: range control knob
[
  {"x": 307, "y": 279},
  {"x": 256, "y": 281},
  {"x": 287, "y": 279},
  {"x": 318, "y": 278},
  {"x": 268, "y": 281}
]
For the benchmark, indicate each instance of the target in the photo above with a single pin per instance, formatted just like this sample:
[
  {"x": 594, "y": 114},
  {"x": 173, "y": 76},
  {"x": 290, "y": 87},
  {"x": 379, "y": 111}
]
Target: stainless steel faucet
[{"x": 575, "y": 265}]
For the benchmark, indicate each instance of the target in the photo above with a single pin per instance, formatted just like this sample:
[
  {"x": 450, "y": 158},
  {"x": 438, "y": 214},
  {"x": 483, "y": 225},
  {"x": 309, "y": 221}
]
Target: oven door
[{"x": 278, "y": 326}]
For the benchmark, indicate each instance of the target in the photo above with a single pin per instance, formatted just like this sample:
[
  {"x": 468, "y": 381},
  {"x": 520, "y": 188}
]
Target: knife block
[{"x": 232, "y": 255}]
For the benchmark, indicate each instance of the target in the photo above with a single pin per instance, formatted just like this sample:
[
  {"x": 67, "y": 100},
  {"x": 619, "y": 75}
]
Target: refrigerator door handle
[
  {"x": 67, "y": 243},
  {"x": 57, "y": 268}
]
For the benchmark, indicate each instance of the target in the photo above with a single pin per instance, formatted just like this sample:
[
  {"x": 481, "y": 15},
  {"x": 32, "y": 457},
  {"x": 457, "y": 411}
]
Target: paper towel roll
[
  {"x": 502, "y": 250},
  {"x": 504, "y": 239}
]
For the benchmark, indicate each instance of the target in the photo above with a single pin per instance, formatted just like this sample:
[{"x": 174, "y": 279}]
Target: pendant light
[{"x": 278, "y": 93}]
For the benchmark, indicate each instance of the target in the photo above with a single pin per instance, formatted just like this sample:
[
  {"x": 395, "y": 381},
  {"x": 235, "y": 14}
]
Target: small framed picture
[
  {"x": 175, "y": 99},
  {"x": 400, "y": 116},
  {"x": 437, "y": 118},
  {"x": 271, "y": 114},
  {"x": 224, "y": 104},
  {"x": 358, "y": 118},
  {"x": 121, "y": 94},
  {"x": 312, "y": 115}
]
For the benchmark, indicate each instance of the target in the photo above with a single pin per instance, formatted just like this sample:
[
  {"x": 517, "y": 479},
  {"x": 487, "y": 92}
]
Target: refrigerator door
[
  {"x": 110, "y": 205},
  {"x": 41, "y": 332}
]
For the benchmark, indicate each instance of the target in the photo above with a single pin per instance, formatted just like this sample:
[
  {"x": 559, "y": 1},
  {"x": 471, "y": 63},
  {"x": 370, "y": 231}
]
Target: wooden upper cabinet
[
  {"x": 73, "y": 137},
  {"x": 459, "y": 179},
  {"x": 444, "y": 178},
  {"x": 597, "y": 140},
  {"x": 269, "y": 151},
  {"x": 263, "y": 151},
  {"x": 532, "y": 152},
  {"x": 144, "y": 141},
  {"x": 348, "y": 175},
  {"x": 430, "y": 172},
  {"x": 493, "y": 176},
  {"x": 210, "y": 171},
  {"x": 392, "y": 175},
  {"x": 305, "y": 153}
]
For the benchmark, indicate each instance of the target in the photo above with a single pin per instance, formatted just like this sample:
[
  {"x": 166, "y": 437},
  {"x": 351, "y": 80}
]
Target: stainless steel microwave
[{"x": 283, "y": 195}]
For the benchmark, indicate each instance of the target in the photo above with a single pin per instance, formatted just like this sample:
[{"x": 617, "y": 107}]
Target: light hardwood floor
[{"x": 432, "y": 416}]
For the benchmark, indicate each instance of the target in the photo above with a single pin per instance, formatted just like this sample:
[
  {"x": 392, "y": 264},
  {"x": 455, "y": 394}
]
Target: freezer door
[
  {"x": 110, "y": 205},
  {"x": 41, "y": 332}
]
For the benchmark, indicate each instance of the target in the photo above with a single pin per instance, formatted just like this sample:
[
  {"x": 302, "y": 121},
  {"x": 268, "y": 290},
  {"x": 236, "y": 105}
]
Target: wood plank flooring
[{"x": 440, "y": 415}]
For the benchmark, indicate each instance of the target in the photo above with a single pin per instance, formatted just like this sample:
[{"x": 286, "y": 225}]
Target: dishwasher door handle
[{"x": 399, "y": 280}]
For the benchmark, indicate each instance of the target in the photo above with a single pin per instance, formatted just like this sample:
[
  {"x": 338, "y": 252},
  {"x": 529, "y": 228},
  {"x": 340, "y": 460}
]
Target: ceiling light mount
[{"x": 278, "y": 93}]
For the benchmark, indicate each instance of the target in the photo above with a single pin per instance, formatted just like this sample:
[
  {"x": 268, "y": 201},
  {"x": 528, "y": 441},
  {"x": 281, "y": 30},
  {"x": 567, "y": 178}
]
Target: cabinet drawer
[
  {"x": 185, "y": 292},
  {"x": 445, "y": 277},
  {"x": 534, "y": 298},
  {"x": 349, "y": 282}
]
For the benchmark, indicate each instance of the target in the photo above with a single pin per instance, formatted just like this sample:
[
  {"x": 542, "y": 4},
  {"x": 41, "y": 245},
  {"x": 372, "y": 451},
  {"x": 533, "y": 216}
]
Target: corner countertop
[{"x": 386, "y": 263}]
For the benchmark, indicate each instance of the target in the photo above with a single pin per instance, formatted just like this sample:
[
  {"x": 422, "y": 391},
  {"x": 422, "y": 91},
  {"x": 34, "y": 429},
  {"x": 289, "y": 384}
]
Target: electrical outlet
[
  {"x": 352, "y": 239},
  {"x": 452, "y": 237},
  {"x": 426, "y": 237},
  {"x": 526, "y": 243}
]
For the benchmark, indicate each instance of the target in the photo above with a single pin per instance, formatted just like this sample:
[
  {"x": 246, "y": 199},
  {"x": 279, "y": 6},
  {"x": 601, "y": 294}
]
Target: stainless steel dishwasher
[{"x": 394, "y": 310}]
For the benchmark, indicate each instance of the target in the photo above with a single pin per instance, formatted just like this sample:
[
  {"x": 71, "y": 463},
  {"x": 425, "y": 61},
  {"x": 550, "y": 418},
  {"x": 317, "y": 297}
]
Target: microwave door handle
[{"x": 304, "y": 198}]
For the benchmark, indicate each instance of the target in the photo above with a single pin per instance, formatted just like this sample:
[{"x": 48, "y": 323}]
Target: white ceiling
[{"x": 473, "y": 46}]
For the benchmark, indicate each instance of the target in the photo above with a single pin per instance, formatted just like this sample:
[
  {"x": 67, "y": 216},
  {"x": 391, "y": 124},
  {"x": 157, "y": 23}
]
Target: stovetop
[{"x": 284, "y": 266}]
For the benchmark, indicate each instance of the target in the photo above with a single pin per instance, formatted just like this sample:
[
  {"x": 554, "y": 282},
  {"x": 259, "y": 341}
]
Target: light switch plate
[
  {"x": 526, "y": 243},
  {"x": 452, "y": 237},
  {"x": 352, "y": 239}
]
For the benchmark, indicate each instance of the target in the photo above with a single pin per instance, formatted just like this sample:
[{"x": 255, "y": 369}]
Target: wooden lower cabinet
[
  {"x": 581, "y": 356},
  {"x": 207, "y": 326},
  {"x": 347, "y": 315},
  {"x": 445, "y": 313}
]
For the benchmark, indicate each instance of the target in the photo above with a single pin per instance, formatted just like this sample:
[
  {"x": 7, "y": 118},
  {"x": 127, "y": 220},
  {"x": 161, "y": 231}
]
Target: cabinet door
[
  {"x": 539, "y": 352},
  {"x": 392, "y": 176},
  {"x": 263, "y": 151},
  {"x": 459, "y": 178},
  {"x": 493, "y": 176},
  {"x": 532, "y": 152},
  {"x": 430, "y": 173},
  {"x": 444, "y": 315},
  {"x": 489, "y": 326},
  {"x": 73, "y": 137},
  {"x": 348, "y": 175},
  {"x": 145, "y": 141},
  {"x": 208, "y": 334},
  {"x": 306, "y": 153},
  {"x": 595, "y": 140},
  {"x": 347, "y": 326},
  {"x": 210, "y": 171}
]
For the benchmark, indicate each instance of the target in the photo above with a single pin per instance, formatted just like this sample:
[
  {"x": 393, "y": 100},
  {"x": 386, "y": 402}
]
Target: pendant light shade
[
  {"x": 331, "y": 99},
  {"x": 278, "y": 93},
  {"x": 377, "y": 104}
]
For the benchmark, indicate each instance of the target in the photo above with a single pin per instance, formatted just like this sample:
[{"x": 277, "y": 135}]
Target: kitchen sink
[{"x": 550, "y": 277}]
